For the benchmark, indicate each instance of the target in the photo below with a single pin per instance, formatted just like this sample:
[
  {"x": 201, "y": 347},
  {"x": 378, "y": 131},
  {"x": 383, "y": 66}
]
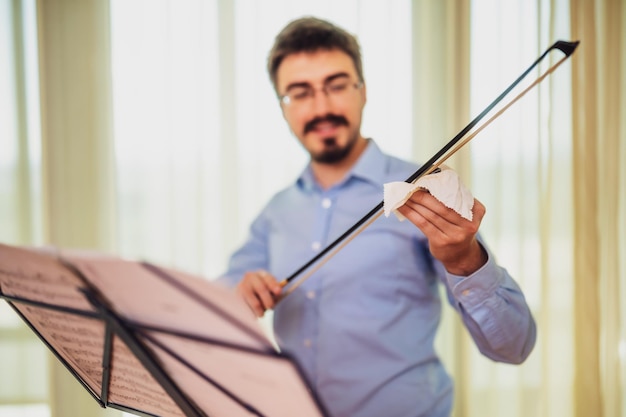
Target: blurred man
[{"x": 362, "y": 327}]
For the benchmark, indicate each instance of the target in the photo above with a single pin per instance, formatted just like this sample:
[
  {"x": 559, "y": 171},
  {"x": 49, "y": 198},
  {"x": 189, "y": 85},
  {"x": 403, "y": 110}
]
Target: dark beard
[{"x": 332, "y": 153}]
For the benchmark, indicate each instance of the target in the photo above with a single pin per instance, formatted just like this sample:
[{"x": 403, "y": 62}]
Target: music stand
[{"x": 153, "y": 341}]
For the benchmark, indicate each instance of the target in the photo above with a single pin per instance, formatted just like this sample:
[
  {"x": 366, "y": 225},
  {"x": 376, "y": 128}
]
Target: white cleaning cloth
[{"x": 445, "y": 186}]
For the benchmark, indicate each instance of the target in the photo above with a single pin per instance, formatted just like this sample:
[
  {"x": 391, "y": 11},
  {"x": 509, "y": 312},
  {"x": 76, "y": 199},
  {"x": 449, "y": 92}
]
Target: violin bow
[{"x": 449, "y": 149}]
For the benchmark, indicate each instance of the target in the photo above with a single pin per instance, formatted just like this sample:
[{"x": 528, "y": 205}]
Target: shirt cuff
[{"x": 477, "y": 287}]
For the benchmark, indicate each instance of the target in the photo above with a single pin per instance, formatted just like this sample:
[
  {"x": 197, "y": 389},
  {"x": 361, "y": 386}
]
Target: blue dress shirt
[{"x": 362, "y": 327}]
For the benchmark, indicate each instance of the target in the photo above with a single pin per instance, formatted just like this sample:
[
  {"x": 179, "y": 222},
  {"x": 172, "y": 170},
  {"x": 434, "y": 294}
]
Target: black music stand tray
[{"x": 152, "y": 341}]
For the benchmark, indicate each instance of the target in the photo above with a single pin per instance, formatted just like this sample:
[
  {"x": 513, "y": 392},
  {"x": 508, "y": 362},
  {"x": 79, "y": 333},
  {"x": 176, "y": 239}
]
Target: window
[
  {"x": 200, "y": 141},
  {"x": 23, "y": 358},
  {"x": 521, "y": 171}
]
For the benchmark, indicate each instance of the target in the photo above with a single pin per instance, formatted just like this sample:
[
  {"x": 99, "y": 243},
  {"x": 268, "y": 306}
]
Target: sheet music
[
  {"x": 78, "y": 340},
  {"x": 144, "y": 297},
  {"x": 40, "y": 277},
  {"x": 260, "y": 377},
  {"x": 131, "y": 384},
  {"x": 271, "y": 384},
  {"x": 229, "y": 346}
]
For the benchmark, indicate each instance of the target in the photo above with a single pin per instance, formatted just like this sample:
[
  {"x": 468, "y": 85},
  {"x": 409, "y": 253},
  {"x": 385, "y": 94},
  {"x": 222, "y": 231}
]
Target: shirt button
[
  {"x": 326, "y": 203},
  {"x": 316, "y": 245},
  {"x": 310, "y": 295},
  {"x": 465, "y": 293},
  {"x": 307, "y": 342}
]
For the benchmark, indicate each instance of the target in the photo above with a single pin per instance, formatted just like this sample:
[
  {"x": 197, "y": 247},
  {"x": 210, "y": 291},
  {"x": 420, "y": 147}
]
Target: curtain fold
[
  {"x": 77, "y": 152},
  {"x": 77, "y": 147},
  {"x": 441, "y": 87},
  {"x": 587, "y": 386},
  {"x": 599, "y": 139}
]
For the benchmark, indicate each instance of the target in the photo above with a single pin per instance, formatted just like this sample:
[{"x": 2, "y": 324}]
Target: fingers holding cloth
[{"x": 446, "y": 212}]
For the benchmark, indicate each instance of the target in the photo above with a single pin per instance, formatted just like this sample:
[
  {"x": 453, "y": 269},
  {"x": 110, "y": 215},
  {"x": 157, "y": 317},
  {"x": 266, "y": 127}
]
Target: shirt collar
[{"x": 369, "y": 167}]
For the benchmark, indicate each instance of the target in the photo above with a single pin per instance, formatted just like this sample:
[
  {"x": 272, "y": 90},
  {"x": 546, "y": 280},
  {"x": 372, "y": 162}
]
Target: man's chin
[{"x": 331, "y": 156}]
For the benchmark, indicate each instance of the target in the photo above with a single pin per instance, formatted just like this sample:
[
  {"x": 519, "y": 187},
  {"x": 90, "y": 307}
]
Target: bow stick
[{"x": 437, "y": 159}]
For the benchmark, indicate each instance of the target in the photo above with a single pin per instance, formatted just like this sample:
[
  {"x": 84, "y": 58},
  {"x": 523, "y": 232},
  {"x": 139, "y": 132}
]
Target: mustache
[{"x": 330, "y": 118}]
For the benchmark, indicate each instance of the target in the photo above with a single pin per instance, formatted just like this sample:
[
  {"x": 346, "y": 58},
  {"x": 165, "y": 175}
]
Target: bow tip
[{"x": 566, "y": 47}]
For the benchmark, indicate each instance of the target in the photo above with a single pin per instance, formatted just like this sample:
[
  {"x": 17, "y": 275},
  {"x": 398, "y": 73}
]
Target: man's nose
[{"x": 321, "y": 102}]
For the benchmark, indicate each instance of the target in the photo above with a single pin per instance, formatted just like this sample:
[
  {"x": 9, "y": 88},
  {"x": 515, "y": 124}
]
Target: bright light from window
[
  {"x": 8, "y": 318},
  {"x": 36, "y": 410},
  {"x": 8, "y": 128}
]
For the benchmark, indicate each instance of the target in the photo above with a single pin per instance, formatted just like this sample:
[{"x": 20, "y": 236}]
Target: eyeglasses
[{"x": 303, "y": 94}]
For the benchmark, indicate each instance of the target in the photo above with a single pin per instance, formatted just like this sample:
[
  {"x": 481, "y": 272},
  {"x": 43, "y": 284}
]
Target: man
[{"x": 362, "y": 326}]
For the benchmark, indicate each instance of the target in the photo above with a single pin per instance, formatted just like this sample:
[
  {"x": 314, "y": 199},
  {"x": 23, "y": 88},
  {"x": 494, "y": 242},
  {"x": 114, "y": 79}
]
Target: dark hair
[{"x": 310, "y": 34}]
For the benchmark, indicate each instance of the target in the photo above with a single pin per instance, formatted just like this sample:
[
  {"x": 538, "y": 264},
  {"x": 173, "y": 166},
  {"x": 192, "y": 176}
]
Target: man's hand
[
  {"x": 259, "y": 290},
  {"x": 451, "y": 238}
]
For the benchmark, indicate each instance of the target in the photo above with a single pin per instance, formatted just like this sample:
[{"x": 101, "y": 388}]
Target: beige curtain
[
  {"x": 599, "y": 138},
  {"x": 441, "y": 53},
  {"x": 76, "y": 151}
]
